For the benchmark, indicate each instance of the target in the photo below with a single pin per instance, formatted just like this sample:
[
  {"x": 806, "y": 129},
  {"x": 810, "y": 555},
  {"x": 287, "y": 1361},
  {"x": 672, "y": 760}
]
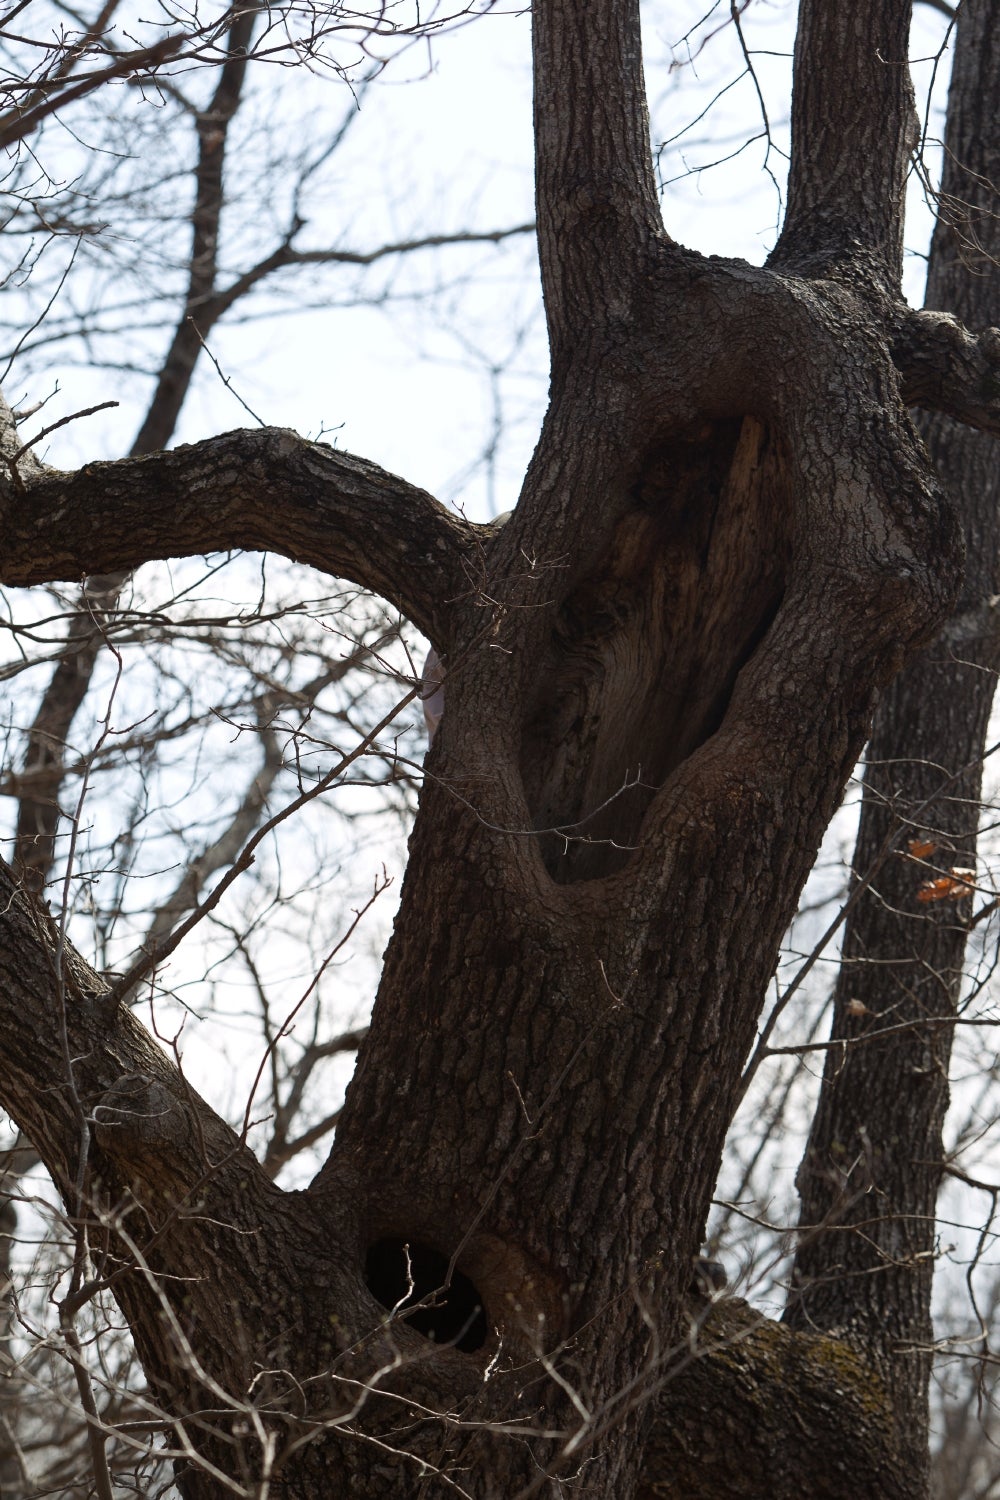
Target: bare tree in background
[
  {"x": 289, "y": 683},
  {"x": 659, "y": 675}
]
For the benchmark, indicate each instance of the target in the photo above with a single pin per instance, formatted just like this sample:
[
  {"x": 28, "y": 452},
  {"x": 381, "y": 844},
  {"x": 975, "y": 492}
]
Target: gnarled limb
[
  {"x": 52, "y": 1009},
  {"x": 266, "y": 490},
  {"x": 943, "y": 367}
]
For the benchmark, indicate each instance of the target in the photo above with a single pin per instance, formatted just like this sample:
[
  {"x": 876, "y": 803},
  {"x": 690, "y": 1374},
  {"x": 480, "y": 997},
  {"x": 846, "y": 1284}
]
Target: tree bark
[
  {"x": 847, "y": 176},
  {"x": 268, "y": 490},
  {"x": 756, "y": 1410},
  {"x": 659, "y": 675},
  {"x": 872, "y": 1169}
]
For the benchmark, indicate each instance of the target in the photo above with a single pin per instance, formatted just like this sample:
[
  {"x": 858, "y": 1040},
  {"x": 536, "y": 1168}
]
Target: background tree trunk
[{"x": 870, "y": 1178}]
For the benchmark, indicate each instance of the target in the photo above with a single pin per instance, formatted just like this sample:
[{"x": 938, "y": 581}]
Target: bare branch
[
  {"x": 286, "y": 255},
  {"x": 149, "y": 961},
  {"x": 268, "y": 490},
  {"x": 282, "y": 1151},
  {"x": 38, "y": 815},
  {"x": 16, "y": 125},
  {"x": 45, "y": 756},
  {"x": 196, "y": 319},
  {"x": 223, "y": 850}
]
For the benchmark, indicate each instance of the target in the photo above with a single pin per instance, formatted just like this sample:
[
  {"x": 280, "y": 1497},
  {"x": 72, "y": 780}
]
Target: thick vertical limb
[
  {"x": 594, "y": 185},
  {"x": 853, "y": 126},
  {"x": 870, "y": 1177}
]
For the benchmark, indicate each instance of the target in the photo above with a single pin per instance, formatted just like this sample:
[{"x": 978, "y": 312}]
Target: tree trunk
[
  {"x": 872, "y": 1169},
  {"x": 659, "y": 675}
]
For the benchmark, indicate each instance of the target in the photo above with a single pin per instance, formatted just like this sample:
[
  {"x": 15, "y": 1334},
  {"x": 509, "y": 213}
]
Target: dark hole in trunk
[
  {"x": 646, "y": 648},
  {"x": 401, "y": 1273}
]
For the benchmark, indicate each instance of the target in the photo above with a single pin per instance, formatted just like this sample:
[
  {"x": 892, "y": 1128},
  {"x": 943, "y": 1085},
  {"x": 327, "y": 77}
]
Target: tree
[{"x": 659, "y": 674}]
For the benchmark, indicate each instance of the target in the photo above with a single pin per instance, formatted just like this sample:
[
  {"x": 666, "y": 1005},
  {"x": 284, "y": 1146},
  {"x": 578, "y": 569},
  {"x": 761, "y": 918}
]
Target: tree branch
[
  {"x": 117, "y": 1125},
  {"x": 946, "y": 368},
  {"x": 853, "y": 126},
  {"x": 92, "y": 37},
  {"x": 15, "y": 124},
  {"x": 229, "y": 843},
  {"x": 812, "y": 1415},
  {"x": 223, "y": 850},
  {"x": 268, "y": 490},
  {"x": 213, "y": 131},
  {"x": 594, "y": 186},
  {"x": 46, "y": 987},
  {"x": 38, "y": 814},
  {"x": 286, "y": 255},
  {"x": 45, "y": 754},
  {"x": 876, "y": 1138}
]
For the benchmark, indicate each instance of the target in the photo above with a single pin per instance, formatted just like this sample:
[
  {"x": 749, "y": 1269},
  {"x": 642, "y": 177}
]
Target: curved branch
[
  {"x": 946, "y": 368},
  {"x": 853, "y": 125},
  {"x": 269, "y": 490}
]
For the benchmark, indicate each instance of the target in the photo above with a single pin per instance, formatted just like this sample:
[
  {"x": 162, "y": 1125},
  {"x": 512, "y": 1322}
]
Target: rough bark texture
[
  {"x": 845, "y": 190},
  {"x": 265, "y": 490},
  {"x": 756, "y": 1410},
  {"x": 870, "y": 1177},
  {"x": 659, "y": 675}
]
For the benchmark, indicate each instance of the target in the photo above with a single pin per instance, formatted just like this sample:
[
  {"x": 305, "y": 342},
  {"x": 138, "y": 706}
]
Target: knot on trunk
[{"x": 139, "y": 1113}]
